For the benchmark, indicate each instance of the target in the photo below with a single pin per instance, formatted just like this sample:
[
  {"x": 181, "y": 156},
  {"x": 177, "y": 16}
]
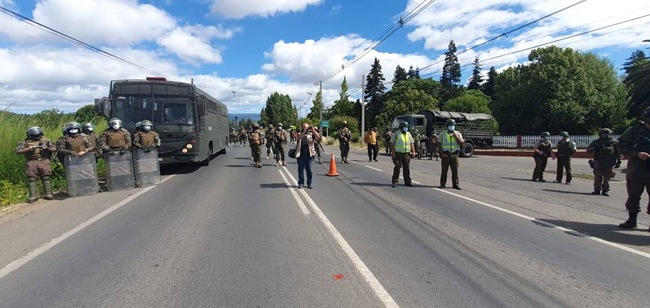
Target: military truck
[{"x": 477, "y": 128}]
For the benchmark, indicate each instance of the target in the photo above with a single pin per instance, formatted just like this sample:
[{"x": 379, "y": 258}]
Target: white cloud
[
  {"x": 236, "y": 9},
  {"x": 189, "y": 47}
]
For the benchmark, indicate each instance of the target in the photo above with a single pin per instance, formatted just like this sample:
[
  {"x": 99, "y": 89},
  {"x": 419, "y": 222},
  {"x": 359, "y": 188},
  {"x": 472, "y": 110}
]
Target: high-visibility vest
[
  {"x": 403, "y": 143},
  {"x": 449, "y": 143}
]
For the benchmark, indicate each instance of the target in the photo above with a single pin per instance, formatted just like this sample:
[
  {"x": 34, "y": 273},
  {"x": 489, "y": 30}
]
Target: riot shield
[
  {"x": 147, "y": 169},
  {"x": 81, "y": 174},
  {"x": 119, "y": 171}
]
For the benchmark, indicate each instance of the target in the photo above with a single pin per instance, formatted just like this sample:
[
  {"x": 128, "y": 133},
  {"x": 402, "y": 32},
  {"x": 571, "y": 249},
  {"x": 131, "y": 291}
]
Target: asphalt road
[{"x": 230, "y": 235}]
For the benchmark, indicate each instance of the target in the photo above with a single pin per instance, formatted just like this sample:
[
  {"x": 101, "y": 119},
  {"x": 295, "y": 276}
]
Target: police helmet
[
  {"x": 403, "y": 124},
  {"x": 270, "y": 126},
  {"x": 545, "y": 134},
  {"x": 605, "y": 131},
  {"x": 564, "y": 134},
  {"x": 146, "y": 125},
  {"x": 256, "y": 126},
  {"x": 64, "y": 130},
  {"x": 115, "y": 123},
  {"x": 345, "y": 123},
  {"x": 73, "y": 126},
  {"x": 138, "y": 126},
  {"x": 88, "y": 128},
  {"x": 416, "y": 131},
  {"x": 645, "y": 116},
  {"x": 35, "y": 133},
  {"x": 279, "y": 124},
  {"x": 450, "y": 122}
]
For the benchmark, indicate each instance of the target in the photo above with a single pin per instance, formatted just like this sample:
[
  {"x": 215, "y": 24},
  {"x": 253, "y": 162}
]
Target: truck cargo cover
[{"x": 460, "y": 116}]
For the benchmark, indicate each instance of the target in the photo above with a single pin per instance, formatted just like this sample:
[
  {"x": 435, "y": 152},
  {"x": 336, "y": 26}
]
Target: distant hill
[{"x": 244, "y": 116}]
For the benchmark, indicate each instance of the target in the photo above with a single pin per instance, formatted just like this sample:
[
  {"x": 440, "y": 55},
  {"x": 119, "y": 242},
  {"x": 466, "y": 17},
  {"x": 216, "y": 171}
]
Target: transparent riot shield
[
  {"x": 81, "y": 173},
  {"x": 119, "y": 171},
  {"x": 147, "y": 169}
]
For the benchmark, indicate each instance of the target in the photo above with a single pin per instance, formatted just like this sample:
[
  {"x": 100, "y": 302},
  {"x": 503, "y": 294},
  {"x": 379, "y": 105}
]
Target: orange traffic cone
[{"x": 333, "y": 171}]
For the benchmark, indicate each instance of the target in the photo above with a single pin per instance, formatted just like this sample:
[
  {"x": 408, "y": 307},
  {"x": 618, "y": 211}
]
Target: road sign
[{"x": 325, "y": 123}]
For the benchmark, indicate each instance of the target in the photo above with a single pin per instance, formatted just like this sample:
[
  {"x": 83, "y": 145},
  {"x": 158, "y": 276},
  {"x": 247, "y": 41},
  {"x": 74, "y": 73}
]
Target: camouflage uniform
[
  {"x": 255, "y": 140},
  {"x": 145, "y": 140},
  {"x": 269, "y": 136},
  {"x": 279, "y": 142},
  {"x": 37, "y": 155},
  {"x": 115, "y": 140}
]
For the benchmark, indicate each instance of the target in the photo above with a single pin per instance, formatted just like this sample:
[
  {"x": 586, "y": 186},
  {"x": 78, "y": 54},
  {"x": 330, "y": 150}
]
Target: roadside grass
[{"x": 13, "y": 183}]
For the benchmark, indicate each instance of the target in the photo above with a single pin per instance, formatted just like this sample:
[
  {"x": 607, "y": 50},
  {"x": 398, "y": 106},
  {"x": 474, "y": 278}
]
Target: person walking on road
[
  {"x": 115, "y": 138},
  {"x": 565, "y": 149},
  {"x": 543, "y": 150},
  {"x": 635, "y": 144},
  {"x": 388, "y": 136},
  {"x": 37, "y": 150},
  {"x": 146, "y": 138},
  {"x": 606, "y": 158},
  {"x": 371, "y": 141},
  {"x": 279, "y": 142},
  {"x": 319, "y": 146},
  {"x": 269, "y": 141},
  {"x": 450, "y": 143},
  {"x": 402, "y": 150},
  {"x": 433, "y": 146},
  {"x": 256, "y": 140},
  {"x": 305, "y": 152},
  {"x": 344, "y": 140}
]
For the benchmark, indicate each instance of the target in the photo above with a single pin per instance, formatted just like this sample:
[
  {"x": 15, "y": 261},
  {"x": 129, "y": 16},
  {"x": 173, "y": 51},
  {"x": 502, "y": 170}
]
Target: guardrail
[{"x": 528, "y": 141}]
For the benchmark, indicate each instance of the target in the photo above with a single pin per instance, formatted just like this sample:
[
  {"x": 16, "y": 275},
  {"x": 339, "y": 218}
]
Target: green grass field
[{"x": 13, "y": 128}]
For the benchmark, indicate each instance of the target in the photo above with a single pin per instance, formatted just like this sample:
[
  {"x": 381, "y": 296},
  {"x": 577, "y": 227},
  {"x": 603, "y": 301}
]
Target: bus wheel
[
  {"x": 206, "y": 162},
  {"x": 467, "y": 150}
]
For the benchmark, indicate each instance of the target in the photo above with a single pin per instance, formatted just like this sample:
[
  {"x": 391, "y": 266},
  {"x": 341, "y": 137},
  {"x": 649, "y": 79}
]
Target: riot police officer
[
  {"x": 606, "y": 157},
  {"x": 268, "y": 135},
  {"x": 280, "y": 140},
  {"x": 89, "y": 130},
  {"x": 543, "y": 150},
  {"x": 74, "y": 143},
  {"x": 115, "y": 138},
  {"x": 38, "y": 151},
  {"x": 255, "y": 140},
  {"x": 146, "y": 138},
  {"x": 635, "y": 144}
]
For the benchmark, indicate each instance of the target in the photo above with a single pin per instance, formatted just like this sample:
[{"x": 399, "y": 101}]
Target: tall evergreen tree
[
  {"x": 477, "y": 78},
  {"x": 637, "y": 69},
  {"x": 374, "y": 91},
  {"x": 450, "y": 74},
  {"x": 343, "y": 106},
  {"x": 413, "y": 73},
  {"x": 636, "y": 58},
  {"x": 399, "y": 75},
  {"x": 317, "y": 107},
  {"x": 488, "y": 87}
]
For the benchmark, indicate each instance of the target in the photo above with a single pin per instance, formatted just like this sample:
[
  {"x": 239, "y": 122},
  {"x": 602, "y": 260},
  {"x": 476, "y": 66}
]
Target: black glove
[
  {"x": 111, "y": 152},
  {"x": 122, "y": 151}
]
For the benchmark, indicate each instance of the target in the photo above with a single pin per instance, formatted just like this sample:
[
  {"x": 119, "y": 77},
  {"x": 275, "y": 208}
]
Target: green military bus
[{"x": 193, "y": 125}]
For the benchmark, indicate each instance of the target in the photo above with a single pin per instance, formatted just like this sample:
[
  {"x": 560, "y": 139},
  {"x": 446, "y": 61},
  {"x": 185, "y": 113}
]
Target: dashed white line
[
  {"x": 295, "y": 195},
  {"x": 365, "y": 272},
  {"x": 39, "y": 251},
  {"x": 373, "y": 168}
]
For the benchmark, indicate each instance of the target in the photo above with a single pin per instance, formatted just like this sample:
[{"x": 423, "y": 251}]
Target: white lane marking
[
  {"x": 416, "y": 182},
  {"x": 373, "y": 168},
  {"x": 40, "y": 250},
  {"x": 370, "y": 278},
  {"x": 551, "y": 225},
  {"x": 295, "y": 195}
]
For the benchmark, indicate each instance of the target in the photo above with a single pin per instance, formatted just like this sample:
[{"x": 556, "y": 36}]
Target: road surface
[{"x": 231, "y": 235}]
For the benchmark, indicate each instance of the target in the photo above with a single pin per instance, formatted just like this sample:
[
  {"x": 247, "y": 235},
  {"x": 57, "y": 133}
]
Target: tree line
[{"x": 557, "y": 89}]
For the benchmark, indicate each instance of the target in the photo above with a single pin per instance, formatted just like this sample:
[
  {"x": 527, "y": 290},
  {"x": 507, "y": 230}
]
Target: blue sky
[{"x": 256, "y": 47}]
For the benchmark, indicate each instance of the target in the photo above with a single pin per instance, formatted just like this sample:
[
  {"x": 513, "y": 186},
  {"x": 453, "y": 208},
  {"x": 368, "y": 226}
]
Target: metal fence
[{"x": 582, "y": 141}]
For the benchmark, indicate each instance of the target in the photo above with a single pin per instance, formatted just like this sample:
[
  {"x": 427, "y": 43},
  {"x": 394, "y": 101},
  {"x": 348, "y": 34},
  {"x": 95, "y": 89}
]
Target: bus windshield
[{"x": 132, "y": 109}]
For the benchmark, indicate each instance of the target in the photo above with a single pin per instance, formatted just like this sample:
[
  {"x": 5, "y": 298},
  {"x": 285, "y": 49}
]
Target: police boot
[
  {"x": 33, "y": 190},
  {"x": 47, "y": 185},
  {"x": 630, "y": 223}
]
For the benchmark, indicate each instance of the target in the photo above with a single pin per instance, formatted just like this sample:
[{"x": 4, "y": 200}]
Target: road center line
[
  {"x": 370, "y": 278},
  {"x": 40, "y": 250},
  {"x": 295, "y": 195},
  {"x": 554, "y": 226}
]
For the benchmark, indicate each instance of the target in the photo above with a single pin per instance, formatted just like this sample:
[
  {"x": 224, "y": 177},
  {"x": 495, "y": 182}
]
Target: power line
[
  {"x": 509, "y": 32},
  {"x": 557, "y": 40}
]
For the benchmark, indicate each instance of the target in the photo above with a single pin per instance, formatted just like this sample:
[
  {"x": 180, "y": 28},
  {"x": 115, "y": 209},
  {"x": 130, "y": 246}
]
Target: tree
[
  {"x": 264, "y": 118},
  {"x": 405, "y": 98},
  {"x": 638, "y": 83},
  {"x": 477, "y": 78},
  {"x": 450, "y": 74},
  {"x": 488, "y": 87},
  {"x": 374, "y": 91},
  {"x": 399, "y": 75},
  {"x": 336, "y": 123},
  {"x": 85, "y": 114},
  {"x": 317, "y": 106},
  {"x": 279, "y": 110},
  {"x": 471, "y": 101},
  {"x": 560, "y": 89},
  {"x": 413, "y": 73},
  {"x": 343, "y": 106}
]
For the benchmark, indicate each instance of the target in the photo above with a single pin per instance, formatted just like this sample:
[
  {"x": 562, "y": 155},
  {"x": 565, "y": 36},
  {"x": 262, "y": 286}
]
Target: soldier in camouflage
[
  {"x": 269, "y": 136},
  {"x": 606, "y": 157},
  {"x": 256, "y": 141},
  {"x": 37, "y": 150},
  {"x": 280, "y": 141}
]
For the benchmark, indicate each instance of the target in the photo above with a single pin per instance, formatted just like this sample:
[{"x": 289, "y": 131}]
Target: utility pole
[
  {"x": 320, "y": 116},
  {"x": 363, "y": 109}
]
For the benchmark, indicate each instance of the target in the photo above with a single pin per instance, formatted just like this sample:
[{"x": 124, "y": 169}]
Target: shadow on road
[
  {"x": 568, "y": 192},
  {"x": 372, "y": 184},
  {"x": 516, "y": 179},
  {"x": 612, "y": 233},
  {"x": 178, "y": 169},
  {"x": 241, "y": 166},
  {"x": 274, "y": 185}
]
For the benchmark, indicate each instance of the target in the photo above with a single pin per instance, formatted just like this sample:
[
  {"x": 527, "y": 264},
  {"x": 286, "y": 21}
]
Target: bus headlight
[
  {"x": 189, "y": 146},
  {"x": 184, "y": 151}
]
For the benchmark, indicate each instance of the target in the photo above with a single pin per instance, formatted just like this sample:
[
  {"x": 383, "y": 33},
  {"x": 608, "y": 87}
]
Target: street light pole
[
  {"x": 320, "y": 116},
  {"x": 363, "y": 109}
]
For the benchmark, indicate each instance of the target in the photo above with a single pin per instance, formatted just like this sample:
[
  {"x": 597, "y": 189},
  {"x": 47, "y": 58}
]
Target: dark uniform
[
  {"x": 279, "y": 141},
  {"x": 37, "y": 150},
  {"x": 318, "y": 146},
  {"x": 543, "y": 150},
  {"x": 606, "y": 157},
  {"x": 449, "y": 147},
  {"x": 433, "y": 147},
  {"x": 387, "y": 136},
  {"x": 115, "y": 138},
  {"x": 269, "y": 141},
  {"x": 344, "y": 142},
  {"x": 635, "y": 144},
  {"x": 565, "y": 149},
  {"x": 256, "y": 141},
  {"x": 416, "y": 138}
]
